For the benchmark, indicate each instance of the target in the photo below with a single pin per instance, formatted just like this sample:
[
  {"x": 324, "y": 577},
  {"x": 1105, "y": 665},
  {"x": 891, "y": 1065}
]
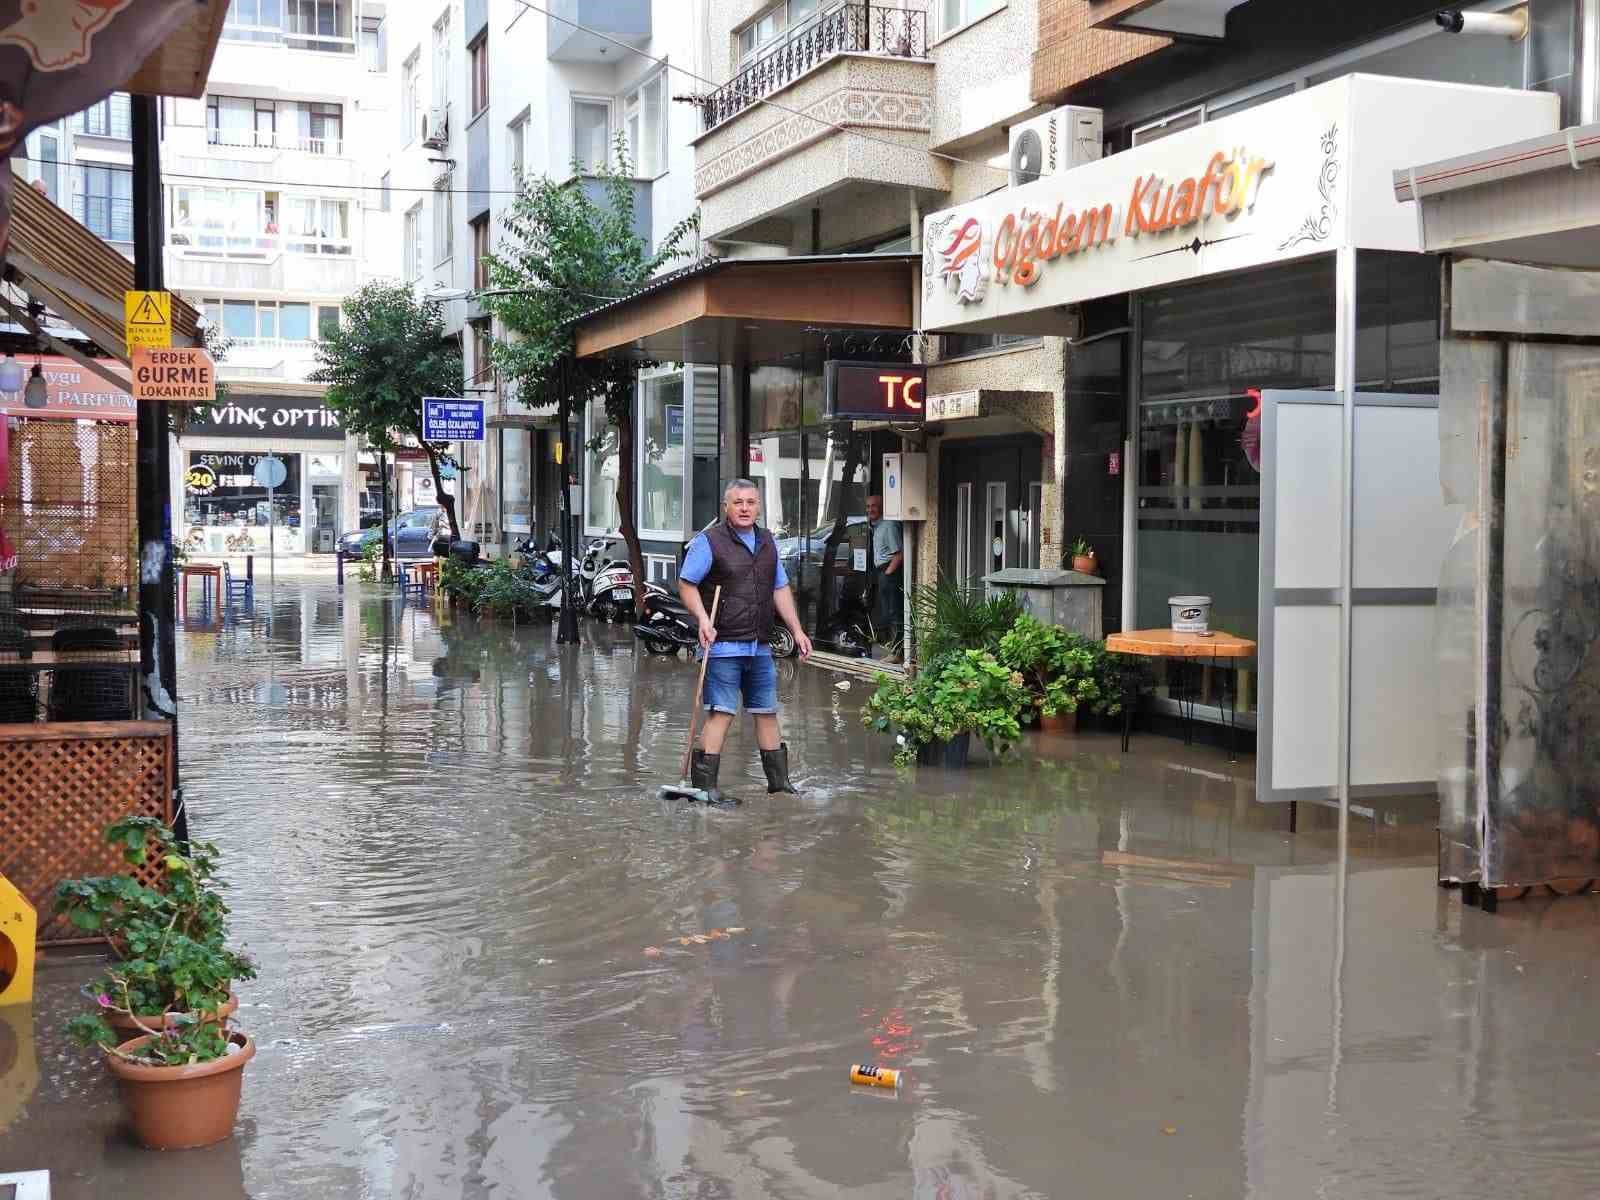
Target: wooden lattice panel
[
  {"x": 60, "y": 786},
  {"x": 69, "y": 506}
]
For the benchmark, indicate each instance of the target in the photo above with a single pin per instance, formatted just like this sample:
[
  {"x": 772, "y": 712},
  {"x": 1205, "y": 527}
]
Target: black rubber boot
[
  {"x": 703, "y": 776},
  {"x": 776, "y": 764}
]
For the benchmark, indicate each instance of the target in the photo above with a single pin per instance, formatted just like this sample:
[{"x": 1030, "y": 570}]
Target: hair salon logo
[
  {"x": 964, "y": 255},
  {"x": 955, "y": 256}
]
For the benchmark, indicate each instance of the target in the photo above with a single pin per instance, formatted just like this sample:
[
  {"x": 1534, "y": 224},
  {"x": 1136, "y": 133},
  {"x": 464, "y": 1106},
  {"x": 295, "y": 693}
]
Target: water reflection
[{"x": 1100, "y": 973}]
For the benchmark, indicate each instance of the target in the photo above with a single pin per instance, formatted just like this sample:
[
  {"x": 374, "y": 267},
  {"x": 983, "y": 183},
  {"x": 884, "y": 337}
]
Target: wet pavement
[{"x": 1101, "y": 974}]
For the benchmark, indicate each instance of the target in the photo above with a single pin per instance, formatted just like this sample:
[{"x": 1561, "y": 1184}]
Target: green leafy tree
[
  {"x": 563, "y": 254},
  {"x": 389, "y": 352}
]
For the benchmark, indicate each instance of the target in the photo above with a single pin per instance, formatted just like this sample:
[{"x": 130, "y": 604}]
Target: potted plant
[
  {"x": 181, "y": 1084},
  {"x": 170, "y": 943},
  {"x": 934, "y": 714},
  {"x": 163, "y": 1004},
  {"x": 1063, "y": 671},
  {"x": 1083, "y": 559}
]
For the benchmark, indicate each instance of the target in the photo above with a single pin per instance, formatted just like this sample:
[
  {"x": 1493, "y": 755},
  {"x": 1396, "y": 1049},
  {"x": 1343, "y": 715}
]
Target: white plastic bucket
[{"x": 1190, "y": 614}]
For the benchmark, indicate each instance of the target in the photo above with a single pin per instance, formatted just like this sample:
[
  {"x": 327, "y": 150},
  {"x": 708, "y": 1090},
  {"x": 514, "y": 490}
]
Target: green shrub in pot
[
  {"x": 170, "y": 943},
  {"x": 1063, "y": 671},
  {"x": 967, "y": 691}
]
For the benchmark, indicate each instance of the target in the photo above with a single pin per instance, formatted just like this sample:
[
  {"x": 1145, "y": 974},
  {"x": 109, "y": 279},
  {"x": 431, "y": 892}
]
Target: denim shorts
[{"x": 752, "y": 675}]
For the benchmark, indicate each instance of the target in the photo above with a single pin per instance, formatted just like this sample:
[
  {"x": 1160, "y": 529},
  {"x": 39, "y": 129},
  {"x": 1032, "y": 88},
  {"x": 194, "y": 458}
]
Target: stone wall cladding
[
  {"x": 1071, "y": 50},
  {"x": 767, "y": 158},
  {"x": 1026, "y": 384},
  {"x": 983, "y": 74}
]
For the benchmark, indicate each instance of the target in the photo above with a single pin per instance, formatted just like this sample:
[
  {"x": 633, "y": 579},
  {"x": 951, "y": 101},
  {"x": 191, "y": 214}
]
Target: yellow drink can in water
[{"x": 871, "y": 1076}]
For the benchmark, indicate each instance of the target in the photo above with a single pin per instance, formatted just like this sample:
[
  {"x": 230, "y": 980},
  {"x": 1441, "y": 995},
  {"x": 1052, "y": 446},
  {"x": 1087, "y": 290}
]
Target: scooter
[{"x": 607, "y": 582}]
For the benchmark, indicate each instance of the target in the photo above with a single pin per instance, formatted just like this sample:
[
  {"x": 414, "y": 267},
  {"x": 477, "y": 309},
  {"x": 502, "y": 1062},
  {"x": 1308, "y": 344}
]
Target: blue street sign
[
  {"x": 445, "y": 419},
  {"x": 270, "y": 472}
]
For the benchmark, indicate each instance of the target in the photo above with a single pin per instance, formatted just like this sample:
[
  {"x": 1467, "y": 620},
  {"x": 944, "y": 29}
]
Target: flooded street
[{"x": 1100, "y": 973}]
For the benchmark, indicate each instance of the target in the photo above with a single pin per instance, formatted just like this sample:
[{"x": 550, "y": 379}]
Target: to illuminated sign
[{"x": 875, "y": 391}]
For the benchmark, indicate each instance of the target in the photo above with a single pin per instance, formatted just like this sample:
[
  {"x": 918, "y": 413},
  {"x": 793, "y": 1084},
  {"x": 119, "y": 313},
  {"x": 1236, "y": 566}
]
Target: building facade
[
  {"x": 486, "y": 94},
  {"x": 274, "y": 213}
]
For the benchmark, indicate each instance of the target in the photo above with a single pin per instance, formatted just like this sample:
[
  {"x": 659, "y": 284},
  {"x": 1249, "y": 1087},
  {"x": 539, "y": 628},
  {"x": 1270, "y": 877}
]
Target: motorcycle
[
  {"x": 666, "y": 626},
  {"x": 607, "y": 582},
  {"x": 849, "y": 631}
]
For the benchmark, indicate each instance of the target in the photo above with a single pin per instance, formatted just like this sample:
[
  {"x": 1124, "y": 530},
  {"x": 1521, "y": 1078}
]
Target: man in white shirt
[{"x": 888, "y": 553}]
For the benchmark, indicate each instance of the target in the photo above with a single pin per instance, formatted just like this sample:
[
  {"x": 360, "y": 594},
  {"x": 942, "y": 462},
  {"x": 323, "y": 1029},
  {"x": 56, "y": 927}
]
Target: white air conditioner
[
  {"x": 1055, "y": 142},
  {"x": 436, "y": 129}
]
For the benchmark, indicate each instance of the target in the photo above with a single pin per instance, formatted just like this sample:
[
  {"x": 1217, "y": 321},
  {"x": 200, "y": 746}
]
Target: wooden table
[
  {"x": 1210, "y": 649},
  {"x": 206, "y": 573}
]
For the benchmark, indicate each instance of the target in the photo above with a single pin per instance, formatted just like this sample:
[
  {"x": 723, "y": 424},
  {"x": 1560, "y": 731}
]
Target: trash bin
[{"x": 325, "y": 541}]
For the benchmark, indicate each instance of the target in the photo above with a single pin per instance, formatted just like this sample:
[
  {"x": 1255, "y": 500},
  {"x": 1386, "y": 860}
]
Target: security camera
[{"x": 1512, "y": 25}]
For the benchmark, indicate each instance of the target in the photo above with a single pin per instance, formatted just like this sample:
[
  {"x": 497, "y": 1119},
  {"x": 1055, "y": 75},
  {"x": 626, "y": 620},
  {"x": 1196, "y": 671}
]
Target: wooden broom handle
[{"x": 699, "y": 689}]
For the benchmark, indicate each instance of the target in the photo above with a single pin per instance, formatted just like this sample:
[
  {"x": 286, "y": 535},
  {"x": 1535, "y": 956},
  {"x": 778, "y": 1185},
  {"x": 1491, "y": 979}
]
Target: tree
[
  {"x": 389, "y": 352},
  {"x": 566, "y": 253}
]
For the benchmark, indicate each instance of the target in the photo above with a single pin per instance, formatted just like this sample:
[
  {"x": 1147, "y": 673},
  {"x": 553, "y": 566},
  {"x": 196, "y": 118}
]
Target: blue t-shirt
[{"x": 697, "y": 565}]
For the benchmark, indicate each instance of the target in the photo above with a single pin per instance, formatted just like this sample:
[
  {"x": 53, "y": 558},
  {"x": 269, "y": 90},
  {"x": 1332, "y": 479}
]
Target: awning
[
  {"x": 1533, "y": 201},
  {"x": 180, "y": 65},
  {"x": 753, "y": 309},
  {"x": 77, "y": 275}
]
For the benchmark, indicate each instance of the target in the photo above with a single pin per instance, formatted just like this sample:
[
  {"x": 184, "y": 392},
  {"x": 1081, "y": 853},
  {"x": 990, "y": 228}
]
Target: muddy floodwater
[{"x": 1101, "y": 974}]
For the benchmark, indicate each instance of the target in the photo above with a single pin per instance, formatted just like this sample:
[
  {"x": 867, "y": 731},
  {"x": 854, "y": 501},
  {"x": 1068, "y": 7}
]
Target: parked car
[
  {"x": 789, "y": 548},
  {"x": 412, "y": 532}
]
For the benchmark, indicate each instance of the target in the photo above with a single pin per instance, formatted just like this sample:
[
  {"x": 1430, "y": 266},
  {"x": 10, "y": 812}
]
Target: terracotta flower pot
[
  {"x": 1064, "y": 722},
  {"x": 123, "y": 1023},
  {"x": 1086, "y": 564},
  {"x": 180, "y": 1108}
]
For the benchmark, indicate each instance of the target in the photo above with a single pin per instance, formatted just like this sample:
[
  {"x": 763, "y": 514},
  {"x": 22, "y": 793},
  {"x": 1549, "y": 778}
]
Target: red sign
[
  {"x": 177, "y": 376},
  {"x": 875, "y": 391},
  {"x": 72, "y": 391}
]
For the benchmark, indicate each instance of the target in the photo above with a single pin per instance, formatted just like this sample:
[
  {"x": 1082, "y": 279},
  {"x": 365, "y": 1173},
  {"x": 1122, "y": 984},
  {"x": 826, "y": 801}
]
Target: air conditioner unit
[
  {"x": 436, "y": 129},
  {"x": 1055, "y": 142}
]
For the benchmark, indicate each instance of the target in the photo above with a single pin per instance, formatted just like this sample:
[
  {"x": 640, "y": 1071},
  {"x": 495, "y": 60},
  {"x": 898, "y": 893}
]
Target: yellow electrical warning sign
[{"x": 147, "y": 319}]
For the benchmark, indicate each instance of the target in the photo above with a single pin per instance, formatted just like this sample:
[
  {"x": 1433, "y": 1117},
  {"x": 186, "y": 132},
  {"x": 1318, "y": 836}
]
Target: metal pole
[
  {"x": 158, "y": 656},
  {"x": 272, "y": 548},
  {"x": 386, "y": 571},
  {"x": 568, "y": 630}
]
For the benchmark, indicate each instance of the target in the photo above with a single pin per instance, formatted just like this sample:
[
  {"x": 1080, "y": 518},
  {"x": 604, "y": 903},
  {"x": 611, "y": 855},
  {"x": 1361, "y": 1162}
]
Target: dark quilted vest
[{"x": 745, "y": 614}]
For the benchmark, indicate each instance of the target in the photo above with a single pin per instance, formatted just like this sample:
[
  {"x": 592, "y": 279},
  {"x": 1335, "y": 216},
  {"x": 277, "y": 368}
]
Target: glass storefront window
[
  {"x": 661, "y": 454},
  {"x": 600, "y": 463},
  {"x": 706, "y": 431},
  {"x": 1199, "y": 493},
  {"x": 516, "y": 482},
  {"x": 220, "y": 491},
  {"x": 784, "y": 398}
]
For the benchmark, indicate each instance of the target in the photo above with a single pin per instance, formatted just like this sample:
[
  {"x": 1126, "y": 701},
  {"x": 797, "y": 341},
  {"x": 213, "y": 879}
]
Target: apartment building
[
  {"x": 275, "y": 212},
  {"x": 487, "y": 93},
  {"x": 826, "y": 132}
]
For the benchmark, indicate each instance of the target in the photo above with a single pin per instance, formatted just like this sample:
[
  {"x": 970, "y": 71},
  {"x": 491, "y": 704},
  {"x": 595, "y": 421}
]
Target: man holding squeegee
[{"x": 739, "y": 557}]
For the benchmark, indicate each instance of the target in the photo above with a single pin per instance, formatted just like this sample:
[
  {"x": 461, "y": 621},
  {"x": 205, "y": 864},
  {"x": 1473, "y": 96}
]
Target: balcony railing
[
  {"x": 858, "y": 28},
  {"x": 266, "y": 139}
]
